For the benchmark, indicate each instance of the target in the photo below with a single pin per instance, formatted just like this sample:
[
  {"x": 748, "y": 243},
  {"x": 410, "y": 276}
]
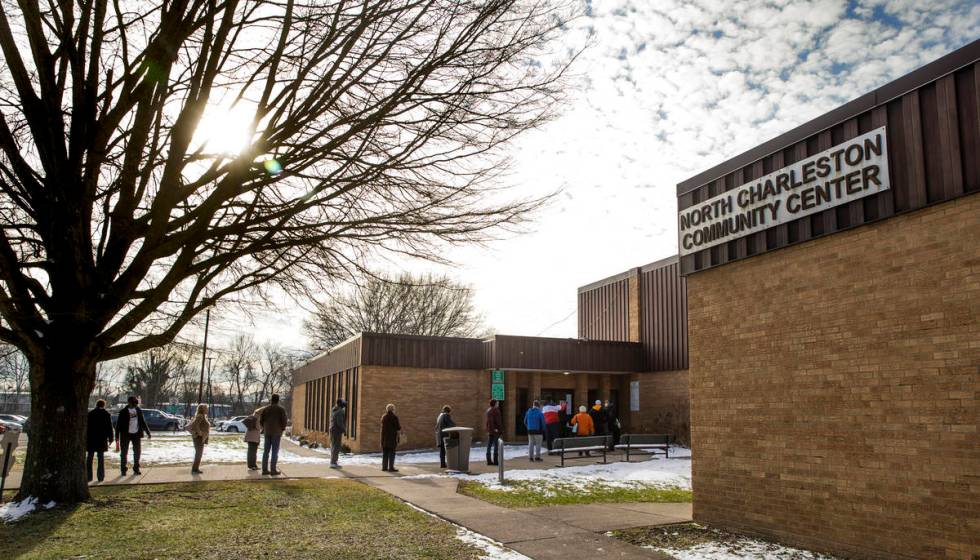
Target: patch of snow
[
  {"x": 477, "y": 454},
  {"x": 672, "y": 472},
  {"x": 179, "y": 449},
  {"x": 743, "y": 549},
  {"x": 50, "y": 504},
  {"x": 492, "y": 549},
  {"x": 12, "y": 511}
]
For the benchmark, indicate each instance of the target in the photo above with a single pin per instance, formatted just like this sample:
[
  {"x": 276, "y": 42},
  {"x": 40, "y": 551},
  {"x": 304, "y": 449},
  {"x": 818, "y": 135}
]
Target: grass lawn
[
  {"x": 312, "y": 518},
  {"x": 534, "y": 493}
]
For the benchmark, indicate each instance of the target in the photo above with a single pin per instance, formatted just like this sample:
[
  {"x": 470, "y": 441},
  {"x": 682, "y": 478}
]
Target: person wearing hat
[
  {"x": 599, "y": 419},
  {"x": 583, "y": 425},
  {"x": 338, "y": 427},
  {"x": 273, "y": 420}
]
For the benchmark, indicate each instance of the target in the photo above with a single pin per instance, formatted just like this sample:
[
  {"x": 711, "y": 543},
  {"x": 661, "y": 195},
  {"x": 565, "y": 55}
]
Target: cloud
[{"x": 671, "y": 88}]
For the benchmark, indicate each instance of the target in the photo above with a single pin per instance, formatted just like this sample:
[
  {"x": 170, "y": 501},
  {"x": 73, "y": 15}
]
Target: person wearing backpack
[{"x": 253, "y": 436}]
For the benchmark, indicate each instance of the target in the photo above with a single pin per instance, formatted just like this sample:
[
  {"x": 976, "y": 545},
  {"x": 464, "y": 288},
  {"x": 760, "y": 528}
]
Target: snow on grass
[
  {"x": 477, "y": 454},
  {"x": 674, "y": 472},
  {"x": 492, "y": 550},
  {"x": 178, "y": 449},
  {"x": 13, "y": 511},
  {"x": 743, "y": 549}
]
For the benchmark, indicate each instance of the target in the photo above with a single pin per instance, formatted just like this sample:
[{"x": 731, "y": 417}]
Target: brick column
[
  {"x": 581, "y": 391},
  {"x": 634, "y": 306},
  {"x": 535, "y": 385},
  {"x": 510, "y": 405},
  {"x": 605, "y": 385}
]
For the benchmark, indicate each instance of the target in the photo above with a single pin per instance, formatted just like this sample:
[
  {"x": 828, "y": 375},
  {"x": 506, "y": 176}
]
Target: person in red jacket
[
  {"x": 552, "y": 422},
  {"x": 495, "y": 426}
]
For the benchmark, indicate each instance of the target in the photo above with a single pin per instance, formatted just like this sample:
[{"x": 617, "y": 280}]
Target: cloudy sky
[{"x": 666, "y": 90}]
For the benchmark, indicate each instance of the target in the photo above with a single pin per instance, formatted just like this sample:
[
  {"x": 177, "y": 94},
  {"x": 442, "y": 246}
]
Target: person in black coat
[
  {"x": 443, "y": 421},
  {"x": 98, "y": 436},
  {"x": 612, "y": 420},
  {"x": 390, "y": 426},
  {"x": 130, "y": 427}
]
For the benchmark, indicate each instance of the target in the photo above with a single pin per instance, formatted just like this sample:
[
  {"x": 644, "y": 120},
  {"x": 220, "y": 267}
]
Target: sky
[{"x": 665, "y": 90}]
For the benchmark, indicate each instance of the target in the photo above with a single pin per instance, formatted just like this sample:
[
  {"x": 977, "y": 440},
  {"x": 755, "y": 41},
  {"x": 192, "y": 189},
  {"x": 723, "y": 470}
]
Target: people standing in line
[
  {"x": 98, "y": 436},
  {"x": 552, "y": 422},
  {"x": 200, "y": 429},
  {"x": 495, "y": 427},
  {"x": 130, "y": 427},
  {"x": 390, "y": 426},
  {"x": 273, "y": 420},
  {"x": 338, "y": 427},
  {"x": 612, "y": 420},
  {"x": 443, "y": 421},
  {"x": 252, "y": 437},
  {"x": 534, "y": 422},
  {"x": 583, "y": 426},
  {"x": 598, "y": 415}
]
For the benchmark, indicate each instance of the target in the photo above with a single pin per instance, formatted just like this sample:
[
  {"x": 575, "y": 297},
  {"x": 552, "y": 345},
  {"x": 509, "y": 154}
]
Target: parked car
[
  {"x": 158, "y": 420},
  {"x": 11, "y": 425},
  {"x": 232, "y": 425}
]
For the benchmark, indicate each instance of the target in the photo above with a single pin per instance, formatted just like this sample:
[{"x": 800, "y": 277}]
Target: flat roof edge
[
  {"x": 667, "y": 261},
  {"x": 947, "y": 64}
]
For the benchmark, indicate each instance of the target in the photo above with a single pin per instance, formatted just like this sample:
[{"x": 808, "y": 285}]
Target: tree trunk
[{"x": 55, "y": 465}]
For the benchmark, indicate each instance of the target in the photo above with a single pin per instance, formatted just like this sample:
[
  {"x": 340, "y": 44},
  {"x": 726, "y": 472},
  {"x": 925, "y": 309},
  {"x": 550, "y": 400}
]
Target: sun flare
[{"x": 224, "y": 130}]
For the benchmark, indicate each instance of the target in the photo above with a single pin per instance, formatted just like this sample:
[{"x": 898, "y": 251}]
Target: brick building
[
  {"x": 827, "y": 291},
  {"x": 632, "y": 350},
  {"x": 835, "y": 349}
]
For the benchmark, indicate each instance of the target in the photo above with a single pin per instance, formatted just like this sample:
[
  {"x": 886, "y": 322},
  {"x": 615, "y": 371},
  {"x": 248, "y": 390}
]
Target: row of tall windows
[{"x": 321, "y": 394}]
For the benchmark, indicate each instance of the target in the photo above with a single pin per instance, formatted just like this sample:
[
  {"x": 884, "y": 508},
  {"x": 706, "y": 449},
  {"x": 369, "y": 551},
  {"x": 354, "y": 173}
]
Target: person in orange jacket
[{"x": 584, "y": 426}]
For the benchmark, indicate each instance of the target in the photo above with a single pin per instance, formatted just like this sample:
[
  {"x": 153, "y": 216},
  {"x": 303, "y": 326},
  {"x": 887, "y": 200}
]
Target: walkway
[{"x": 547, "y": 533}]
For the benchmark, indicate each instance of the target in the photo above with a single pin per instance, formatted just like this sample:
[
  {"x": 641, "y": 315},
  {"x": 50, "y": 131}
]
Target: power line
[{"x": 558, "y": 322}]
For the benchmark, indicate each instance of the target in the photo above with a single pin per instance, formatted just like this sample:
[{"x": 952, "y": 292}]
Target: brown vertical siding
[
  {"x": 339, "y": 358},
  {"x": 663, "y": 316},
  {"x": 603, "y": 309},
  {"x": 932, "y": 118}
]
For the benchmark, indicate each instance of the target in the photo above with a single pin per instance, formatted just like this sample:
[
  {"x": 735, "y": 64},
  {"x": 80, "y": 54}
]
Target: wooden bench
[
  {"x": 656, "y": 443},
  {"x": 581, "y": 444}
]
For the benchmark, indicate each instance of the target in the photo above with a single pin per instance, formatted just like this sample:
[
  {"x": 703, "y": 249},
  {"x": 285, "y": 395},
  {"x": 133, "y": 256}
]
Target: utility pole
[
  {"x": 210, "y": 402},
  {"x": 204, "y": 356}
]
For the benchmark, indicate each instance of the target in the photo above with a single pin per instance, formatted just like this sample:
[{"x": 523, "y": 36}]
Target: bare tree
[
  {"x": 108, "y": 378},
  {"x": 14, "y": 377},
  {"x": 370, "y": 126},
  {"x": 422, "y": 305},
  {"x": 274, "y": 371},
  {"x": 155, "y": 375},
  {"x": 238, "y": 368}
]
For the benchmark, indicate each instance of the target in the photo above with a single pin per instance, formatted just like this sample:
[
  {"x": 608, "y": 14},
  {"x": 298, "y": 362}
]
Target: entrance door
[{"x": 522, "y": 406}]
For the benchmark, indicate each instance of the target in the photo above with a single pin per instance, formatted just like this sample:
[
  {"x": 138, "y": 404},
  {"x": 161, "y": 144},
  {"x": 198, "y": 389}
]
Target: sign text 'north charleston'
[{"x": 848, "y": 171}]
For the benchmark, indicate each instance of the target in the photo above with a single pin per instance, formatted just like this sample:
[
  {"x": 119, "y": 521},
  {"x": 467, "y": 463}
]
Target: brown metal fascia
[
  {"x": 608, "y": 280},
  {"x": 662, "y": 263},
  {"x": 936, "y": 69}
]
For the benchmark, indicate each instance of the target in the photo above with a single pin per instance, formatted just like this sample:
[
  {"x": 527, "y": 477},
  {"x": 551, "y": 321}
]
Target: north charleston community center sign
[{"x": 848, "y": 171}]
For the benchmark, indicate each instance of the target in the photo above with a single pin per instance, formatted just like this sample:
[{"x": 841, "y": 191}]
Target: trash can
[{"x": 458, "y": 441}]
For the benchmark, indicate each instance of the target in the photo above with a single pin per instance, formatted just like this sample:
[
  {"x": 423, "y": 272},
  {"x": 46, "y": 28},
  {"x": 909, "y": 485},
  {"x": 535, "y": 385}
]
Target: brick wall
[
  {"x": 665, "y": 406},
  {"x": 835, "y": 385},
  {"x": 418, "y": 396},
  {"x": 298, "y": 408}
]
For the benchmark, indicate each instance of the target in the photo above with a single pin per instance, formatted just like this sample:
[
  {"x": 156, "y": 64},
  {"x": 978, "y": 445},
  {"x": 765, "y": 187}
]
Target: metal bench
[
  {"x": 656, "y": 443},
  {"x": 581, "y": 444}
]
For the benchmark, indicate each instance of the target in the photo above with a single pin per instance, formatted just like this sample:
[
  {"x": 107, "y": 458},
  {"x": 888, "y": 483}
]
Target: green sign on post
[
  {"x": 497, "y": 391},
  {"x": 497, "y": 384}
]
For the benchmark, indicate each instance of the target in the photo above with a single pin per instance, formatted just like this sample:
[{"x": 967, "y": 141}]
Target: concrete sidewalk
[{"x": 542, "y": 533}]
